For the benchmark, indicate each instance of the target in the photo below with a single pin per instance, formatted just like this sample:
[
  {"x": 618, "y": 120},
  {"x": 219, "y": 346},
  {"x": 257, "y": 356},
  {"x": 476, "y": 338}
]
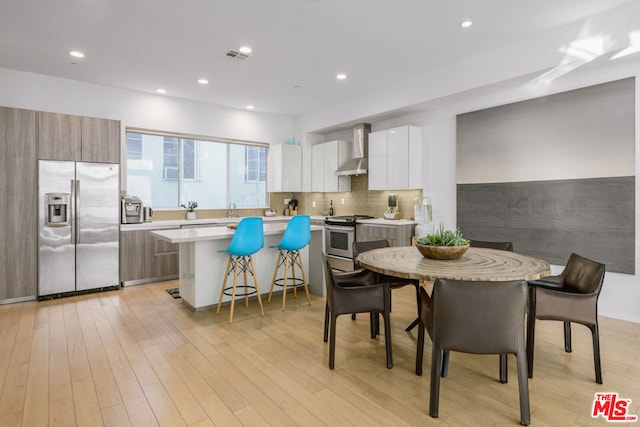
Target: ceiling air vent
[{"x": 234, "y": 54}]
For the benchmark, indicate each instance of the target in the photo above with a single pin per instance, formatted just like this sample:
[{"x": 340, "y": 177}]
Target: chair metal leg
[
  {"x": 523, "y": 389},
  {"x": 332, "y": 342},
  {"x": 567, "y": 337},
  {"x": 387, "y": 339},
  {"x": 445, "y": 364},
  {"x": 374, "y": 324},
  {"x": 595, "y": 335},
  {"x": 326, "y": 322},
  {"x": 504, "y": 369},
  {"x": 531, "y": 329},
  {"x": 434, "y": 383}
]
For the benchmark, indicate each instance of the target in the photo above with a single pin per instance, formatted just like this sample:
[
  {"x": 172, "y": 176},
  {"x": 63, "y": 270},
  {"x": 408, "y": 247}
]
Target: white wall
[
  {"x": 138, "y": 109},
  {"x": 514, "y": 73}
]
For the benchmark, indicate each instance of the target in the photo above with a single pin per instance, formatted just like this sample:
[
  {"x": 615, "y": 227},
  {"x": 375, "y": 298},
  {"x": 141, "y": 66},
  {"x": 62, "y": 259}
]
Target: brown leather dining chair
[
  {"x": 474, "y": 317},
  {"x": 503, "y": 246},
  {"x": 355, "y": 292},
  {"x": 569, "y": 297},
  {"x": 394, "y": 282}
]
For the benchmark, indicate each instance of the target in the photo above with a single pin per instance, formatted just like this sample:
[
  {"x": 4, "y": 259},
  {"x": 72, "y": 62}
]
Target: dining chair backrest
[
  {"x": 583, "y": 274},
  {"x": 359, "y": 247},
  {"x": 479, "y": 317},
  {"x": 248, "y": 237},
  {"x": 503, "y": 246},
  {"x": 297, "y": 234}
]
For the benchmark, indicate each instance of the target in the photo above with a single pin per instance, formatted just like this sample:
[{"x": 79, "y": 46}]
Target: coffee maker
[{"x": 131, "y": 210}]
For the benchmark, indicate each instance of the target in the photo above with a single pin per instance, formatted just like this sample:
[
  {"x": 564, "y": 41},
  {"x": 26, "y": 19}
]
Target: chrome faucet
[{"x": 232, "y": 207}]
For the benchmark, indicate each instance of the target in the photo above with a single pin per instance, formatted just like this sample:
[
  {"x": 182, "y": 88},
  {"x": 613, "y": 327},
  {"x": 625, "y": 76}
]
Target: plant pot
[
  {"x": 442, "y": 252},
  {"x": 191, "y": 215}
]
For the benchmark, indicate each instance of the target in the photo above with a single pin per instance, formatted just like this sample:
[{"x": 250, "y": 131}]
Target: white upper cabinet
[
  {"x": 395, "y": 158},
  {"x": 285, "y": 168},
  {"x": 326, "y": 158},
  {"x": 377, "y": 169}
]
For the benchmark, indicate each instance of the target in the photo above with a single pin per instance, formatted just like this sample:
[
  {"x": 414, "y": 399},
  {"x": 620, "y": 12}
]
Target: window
[
  {"x": 166, "y": 170},
  {"x": 134, "y": 146},
  {"x": 174, "y": 149},
  {"x": 256, "y": 164}
]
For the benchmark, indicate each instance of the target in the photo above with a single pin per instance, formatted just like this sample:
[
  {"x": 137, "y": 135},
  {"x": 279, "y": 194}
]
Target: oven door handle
[{"x": 339, "y": 227}]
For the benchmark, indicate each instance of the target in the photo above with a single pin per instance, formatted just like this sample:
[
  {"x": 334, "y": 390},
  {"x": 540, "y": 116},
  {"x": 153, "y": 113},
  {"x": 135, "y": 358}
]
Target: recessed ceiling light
[
  {"x": 250, "y": 107},
  {"x": 245, "y": 49},
  {"x": 161, "y": 90},
  {"x": 76, "y": 54},
  {"x": 203, "y": 81},
  {"x": 341, "y": 76},
  {"x": 466, "y": 24}
]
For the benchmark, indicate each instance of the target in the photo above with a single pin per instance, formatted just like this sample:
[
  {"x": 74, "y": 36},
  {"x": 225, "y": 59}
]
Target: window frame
[{"x": 197, "y": 166}]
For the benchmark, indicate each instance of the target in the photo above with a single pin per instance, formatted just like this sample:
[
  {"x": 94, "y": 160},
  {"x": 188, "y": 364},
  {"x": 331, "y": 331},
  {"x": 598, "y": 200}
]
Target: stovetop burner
[{"x": 345, "y": 219}]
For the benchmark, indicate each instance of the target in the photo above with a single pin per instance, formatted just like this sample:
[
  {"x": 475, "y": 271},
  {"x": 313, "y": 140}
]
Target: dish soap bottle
[{"x": 331, "y": 208}]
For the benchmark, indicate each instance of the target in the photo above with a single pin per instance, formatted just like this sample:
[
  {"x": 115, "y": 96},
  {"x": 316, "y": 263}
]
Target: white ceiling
[{"x": 298, "y": 45}]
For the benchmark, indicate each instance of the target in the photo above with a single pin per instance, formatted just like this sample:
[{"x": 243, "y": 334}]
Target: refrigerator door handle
[
  {"x": 72, "y": 213},
  {"x": 77, "y": 212}
]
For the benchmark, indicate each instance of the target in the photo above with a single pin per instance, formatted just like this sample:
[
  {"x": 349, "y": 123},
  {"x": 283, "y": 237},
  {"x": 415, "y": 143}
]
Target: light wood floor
[{"x": 139, "y": 357}]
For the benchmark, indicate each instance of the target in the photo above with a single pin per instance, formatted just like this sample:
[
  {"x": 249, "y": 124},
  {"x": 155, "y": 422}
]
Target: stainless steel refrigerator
[{"x": 78, "y": 226}]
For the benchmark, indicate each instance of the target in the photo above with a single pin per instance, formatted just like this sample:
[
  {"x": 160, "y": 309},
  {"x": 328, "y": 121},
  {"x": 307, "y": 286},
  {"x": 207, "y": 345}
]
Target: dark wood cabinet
[
  {"x": 100, "y": 140},
  {"x": 144, "y": 257},
  {"x": 76, "y": 138},
  {"x": 59, "y": 136},
  {"x": 397, "y": 235},
  {"x": 18, "y": 192}
]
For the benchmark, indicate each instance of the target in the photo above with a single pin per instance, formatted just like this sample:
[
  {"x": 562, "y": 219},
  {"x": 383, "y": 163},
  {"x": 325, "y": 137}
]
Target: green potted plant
[
  {"x": 443, "y": 244},
  {"x": 190, "y": 206}
]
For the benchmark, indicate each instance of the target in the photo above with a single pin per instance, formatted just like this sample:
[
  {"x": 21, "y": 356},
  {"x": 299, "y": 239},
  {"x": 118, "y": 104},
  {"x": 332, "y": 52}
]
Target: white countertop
[
  {"x": 215, "y": 232},
  {"x": 213, "y": 222},
  {"x": 383, "y": 221},
  {"x": 176, "y": 223}
]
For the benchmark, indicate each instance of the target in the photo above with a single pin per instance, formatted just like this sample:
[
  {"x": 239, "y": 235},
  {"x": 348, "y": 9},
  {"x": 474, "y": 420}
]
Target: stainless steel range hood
[{"x": 358, "y": 164}]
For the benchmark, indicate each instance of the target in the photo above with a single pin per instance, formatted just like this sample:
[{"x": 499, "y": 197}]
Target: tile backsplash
[
  {"x": 360, "y": 200},
  {"x": 357, "y": 201}
]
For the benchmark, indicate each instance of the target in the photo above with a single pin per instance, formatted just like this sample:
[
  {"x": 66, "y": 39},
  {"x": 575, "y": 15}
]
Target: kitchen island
[{"x": 202, "y": 267}]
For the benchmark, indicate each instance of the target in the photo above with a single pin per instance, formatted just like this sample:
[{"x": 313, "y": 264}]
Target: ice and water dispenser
[{"x": 58, "y": 209}]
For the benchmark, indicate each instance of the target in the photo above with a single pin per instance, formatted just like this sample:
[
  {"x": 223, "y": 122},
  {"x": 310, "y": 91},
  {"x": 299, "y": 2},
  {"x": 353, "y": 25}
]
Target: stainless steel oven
[
  {"x": 339, "y": 240},
  {"x": 340, "y": 233}
]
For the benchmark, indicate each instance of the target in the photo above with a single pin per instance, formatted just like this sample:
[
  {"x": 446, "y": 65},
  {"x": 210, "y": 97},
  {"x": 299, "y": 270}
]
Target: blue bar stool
[
  {"x": 296, "y": 236},
  {"x": 247, "y": 240}
]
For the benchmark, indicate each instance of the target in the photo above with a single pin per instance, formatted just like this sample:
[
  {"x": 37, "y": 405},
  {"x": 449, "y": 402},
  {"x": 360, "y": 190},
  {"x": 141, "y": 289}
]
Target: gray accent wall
[
  {"x": 550, "y": 219},
  {"x": 554, "y": 175}
]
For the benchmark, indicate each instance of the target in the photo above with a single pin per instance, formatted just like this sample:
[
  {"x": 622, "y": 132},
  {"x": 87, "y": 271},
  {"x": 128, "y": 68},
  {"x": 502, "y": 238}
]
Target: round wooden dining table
[{"x": 476, "y": 264}]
